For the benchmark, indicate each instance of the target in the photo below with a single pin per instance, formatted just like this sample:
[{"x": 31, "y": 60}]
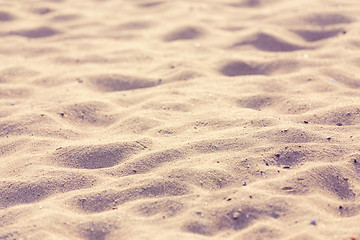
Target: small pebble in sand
[
  {"x": 313, "y": 221},
  {"x": 236, "y": 215}
]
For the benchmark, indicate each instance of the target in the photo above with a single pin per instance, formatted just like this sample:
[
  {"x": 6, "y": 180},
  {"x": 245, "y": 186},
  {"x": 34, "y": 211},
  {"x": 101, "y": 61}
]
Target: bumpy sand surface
[{"x": 136, "y": 119}]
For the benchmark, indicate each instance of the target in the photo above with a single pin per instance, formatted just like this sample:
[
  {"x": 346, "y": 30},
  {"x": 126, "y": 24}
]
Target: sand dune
[{"x": 235, "y": 119}]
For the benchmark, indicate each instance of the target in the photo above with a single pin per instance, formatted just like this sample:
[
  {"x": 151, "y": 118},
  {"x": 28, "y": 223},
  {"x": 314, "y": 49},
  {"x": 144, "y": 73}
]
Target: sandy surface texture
[{"x": 179, "y": 119}]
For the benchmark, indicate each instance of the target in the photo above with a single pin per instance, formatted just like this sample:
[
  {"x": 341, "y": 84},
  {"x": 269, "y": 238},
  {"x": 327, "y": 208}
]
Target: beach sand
[{"x": 136, "y": 119}]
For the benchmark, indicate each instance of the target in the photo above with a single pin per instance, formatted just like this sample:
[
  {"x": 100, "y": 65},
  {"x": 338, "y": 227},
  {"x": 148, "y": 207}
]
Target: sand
[{"x": 136, "y": 119}]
